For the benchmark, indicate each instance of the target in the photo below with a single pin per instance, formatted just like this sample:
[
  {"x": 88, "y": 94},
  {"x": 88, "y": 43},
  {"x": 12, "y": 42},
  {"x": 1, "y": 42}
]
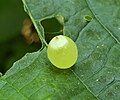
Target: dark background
[{"x": 13, "y": 45}]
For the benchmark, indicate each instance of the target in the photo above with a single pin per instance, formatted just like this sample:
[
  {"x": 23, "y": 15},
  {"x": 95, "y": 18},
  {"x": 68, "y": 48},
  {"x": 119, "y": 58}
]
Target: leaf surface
[{"x": 96, "y": 75}]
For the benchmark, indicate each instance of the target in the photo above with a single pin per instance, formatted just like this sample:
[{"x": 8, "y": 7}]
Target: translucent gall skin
[{"x": 62, "y": 52}]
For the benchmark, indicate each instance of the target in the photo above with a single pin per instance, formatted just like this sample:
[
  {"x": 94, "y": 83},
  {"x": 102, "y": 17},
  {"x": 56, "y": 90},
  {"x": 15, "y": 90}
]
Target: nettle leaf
[{"x": 95, "y": 26}]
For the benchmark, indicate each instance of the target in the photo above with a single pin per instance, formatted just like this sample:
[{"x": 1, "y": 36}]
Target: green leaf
[{"x": 96, "y": 75}]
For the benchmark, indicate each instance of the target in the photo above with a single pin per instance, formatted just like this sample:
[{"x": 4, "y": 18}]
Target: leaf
[{"x": 96, "y": 75}]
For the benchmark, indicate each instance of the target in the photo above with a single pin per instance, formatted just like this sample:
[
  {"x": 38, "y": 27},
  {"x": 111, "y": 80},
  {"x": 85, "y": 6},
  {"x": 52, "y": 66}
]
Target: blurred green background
[{"x": 12, "y": 44}]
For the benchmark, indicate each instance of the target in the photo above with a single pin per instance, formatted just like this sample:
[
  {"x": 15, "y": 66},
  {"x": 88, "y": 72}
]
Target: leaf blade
[{"x": 94, "y": 76}]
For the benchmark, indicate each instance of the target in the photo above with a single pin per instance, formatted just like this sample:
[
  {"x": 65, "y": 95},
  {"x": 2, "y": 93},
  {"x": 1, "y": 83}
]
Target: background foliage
[{"x": 12, "y": 44}]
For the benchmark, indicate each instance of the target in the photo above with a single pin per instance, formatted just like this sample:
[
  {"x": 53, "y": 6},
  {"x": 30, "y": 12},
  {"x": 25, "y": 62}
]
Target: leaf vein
[
  {"x": 97, "y": 18},
  {"x": 84, "y": 84}
]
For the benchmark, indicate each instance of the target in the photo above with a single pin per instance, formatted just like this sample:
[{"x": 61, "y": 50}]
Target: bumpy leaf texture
[{"x": 96, "y": 75}]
